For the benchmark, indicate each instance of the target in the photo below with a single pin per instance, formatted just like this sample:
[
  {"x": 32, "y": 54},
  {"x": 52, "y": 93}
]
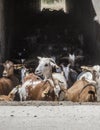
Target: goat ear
[
  {"x": 39, "y": 57},
  {"x": 18, "y": 66},
  {"x": 70, "y": 55},
  {"x": 65, "y": 58},
  {"x": 53, "y": 64},
  {"x": 79, "y": 57},
  {"x": 15, "y": 66},
  {"x": 87, "y": 68},
  {"x": 52, "y": 60}
]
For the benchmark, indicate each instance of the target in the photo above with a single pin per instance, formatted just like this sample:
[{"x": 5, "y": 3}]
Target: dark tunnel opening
[{"x": 31, "y": 33}]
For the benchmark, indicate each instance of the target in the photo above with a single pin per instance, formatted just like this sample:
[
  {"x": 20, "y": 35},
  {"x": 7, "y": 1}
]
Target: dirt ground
[
  {"x": 43, "y": 115},
  {"x": 71, "y": 117},
  {"x": 46, "y": 103}
]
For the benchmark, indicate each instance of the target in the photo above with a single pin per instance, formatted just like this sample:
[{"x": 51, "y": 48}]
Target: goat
[
  {"x": 45, "y": 68},
  {"x": 29, "y": 80},
  {"x": 42, "y": 91},
  {"x": 10, "y": 96},
  {"x": 81, "y": 91},
  {"x": 70, "y": 75},
  {"x": 91, "y": 74},
  {"x": 9, "y": 80},
  {"x": 72, "y": 58},
  {"x": 95, "y": 71}
]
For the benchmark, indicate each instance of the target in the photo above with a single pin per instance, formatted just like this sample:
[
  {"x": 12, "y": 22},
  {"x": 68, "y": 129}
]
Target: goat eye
[{"x": 46, "y": 65}]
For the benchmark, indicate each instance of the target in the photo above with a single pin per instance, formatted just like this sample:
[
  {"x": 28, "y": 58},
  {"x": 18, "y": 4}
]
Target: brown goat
[
  {"x": 10, "y": 96},
  {"x": 81, "y": 91},
  {"x": 9, "y": 80},
  {"x": 5, "y": 98},
  {"x": 42, "y": 91}
]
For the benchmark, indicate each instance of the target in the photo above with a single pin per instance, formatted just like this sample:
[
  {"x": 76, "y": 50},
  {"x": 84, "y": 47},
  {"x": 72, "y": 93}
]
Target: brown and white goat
[
  {"x": 42, "y": 91},
  {"x": 30, "y": 80},
  {"x": 35, "y": 90}
]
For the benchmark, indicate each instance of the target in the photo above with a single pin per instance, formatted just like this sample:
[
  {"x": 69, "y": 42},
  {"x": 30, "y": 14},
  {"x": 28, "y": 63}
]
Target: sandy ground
[
  {"x": 37, "y": 115},
  {"x": 45, "y": 103}
]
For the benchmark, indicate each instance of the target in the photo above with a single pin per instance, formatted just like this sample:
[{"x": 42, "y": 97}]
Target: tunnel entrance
[{"x": 51, "y": 33}]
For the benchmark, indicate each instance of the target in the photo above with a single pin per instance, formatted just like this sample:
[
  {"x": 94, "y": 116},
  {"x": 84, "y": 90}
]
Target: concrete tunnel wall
[
  {"x": 84, "y": 12},
  {"x": 2, "y": 31}
]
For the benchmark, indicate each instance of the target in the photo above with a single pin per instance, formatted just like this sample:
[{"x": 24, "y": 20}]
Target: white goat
[
  {"x": 45, "y": 68},
  {"x": 72, "y": 58}
]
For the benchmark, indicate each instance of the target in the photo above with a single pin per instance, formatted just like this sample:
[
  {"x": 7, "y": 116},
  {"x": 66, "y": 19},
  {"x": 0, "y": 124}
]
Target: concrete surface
[{"x": 76, "y": 117}]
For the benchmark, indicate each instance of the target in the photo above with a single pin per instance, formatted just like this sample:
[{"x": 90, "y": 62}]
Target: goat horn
[
  {"x": 39, "y": 57},
  {"x": 65, "y": 58},
  {"x": 87, "y": 68},
  {"x": 18, "y": 66},
  {"x": 79, "y": 57},
  {"x": 57, "y": 66}
]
